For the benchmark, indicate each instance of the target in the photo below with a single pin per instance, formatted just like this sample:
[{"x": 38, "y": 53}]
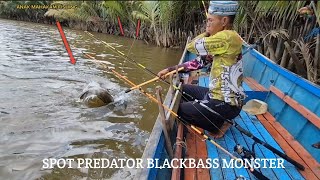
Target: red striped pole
[
  {"x": 65, "y": 42},
  {"x": 138, "y": 28},
  {"x": 120, "y": 25}
]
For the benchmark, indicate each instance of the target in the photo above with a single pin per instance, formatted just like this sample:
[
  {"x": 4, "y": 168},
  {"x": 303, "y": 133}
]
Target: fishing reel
[
  {"x": 244, "y": 152},
  {"x": 240, "y": 178}
]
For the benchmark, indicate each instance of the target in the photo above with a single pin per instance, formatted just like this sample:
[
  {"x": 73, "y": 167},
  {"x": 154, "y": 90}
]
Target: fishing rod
[
  {"x": 239, "y": 149},
  {"x": 235, "y": 124},
  {"x": 145, "y": 68},
  {"x": 164, "y": 106},
  {"x": 152, "y": 80}
]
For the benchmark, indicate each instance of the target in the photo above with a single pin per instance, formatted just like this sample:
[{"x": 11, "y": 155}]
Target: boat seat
[
  {"x": 291, "y": 147},
  {"x": 253, "y": 90}
]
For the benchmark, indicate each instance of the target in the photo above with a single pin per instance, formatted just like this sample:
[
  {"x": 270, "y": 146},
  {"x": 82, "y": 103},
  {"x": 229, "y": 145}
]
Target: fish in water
[{"x": 94, "y": 95}]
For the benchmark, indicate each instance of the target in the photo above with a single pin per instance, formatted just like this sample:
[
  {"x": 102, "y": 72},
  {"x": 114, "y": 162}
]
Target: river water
[{"x": 40, "y": 112}]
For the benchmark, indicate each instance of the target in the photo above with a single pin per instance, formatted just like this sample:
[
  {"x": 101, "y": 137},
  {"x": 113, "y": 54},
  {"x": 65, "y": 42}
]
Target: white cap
[{"x": 223, "y": 8}]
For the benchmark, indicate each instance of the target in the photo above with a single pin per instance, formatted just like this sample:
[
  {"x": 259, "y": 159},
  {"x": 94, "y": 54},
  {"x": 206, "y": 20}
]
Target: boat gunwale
[
  {"x": 157, "y": 131},
  {"x": 299, "y": 80}
]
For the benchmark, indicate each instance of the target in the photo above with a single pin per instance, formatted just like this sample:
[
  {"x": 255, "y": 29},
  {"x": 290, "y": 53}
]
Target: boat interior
[{"x": 290, "y": 125}]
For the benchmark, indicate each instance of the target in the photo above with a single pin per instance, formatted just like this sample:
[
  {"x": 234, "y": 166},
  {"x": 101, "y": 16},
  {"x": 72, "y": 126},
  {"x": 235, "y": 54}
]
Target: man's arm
[
  {"x": 212, "y": 45},
  {"x": 192, "y": 65}
]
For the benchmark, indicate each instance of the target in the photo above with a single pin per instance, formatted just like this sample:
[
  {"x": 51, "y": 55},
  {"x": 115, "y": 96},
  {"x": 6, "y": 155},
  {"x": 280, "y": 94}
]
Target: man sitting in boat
[{"x": 225, "y": 93}]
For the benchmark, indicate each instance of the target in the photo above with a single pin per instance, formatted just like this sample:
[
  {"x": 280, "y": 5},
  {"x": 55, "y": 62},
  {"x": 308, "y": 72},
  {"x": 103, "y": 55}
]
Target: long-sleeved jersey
[{"x": 225, "y": 81}]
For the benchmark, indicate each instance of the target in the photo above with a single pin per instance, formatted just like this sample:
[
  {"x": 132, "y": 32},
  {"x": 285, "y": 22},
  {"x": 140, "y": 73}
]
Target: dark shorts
[{"x": 196, "y": 114}]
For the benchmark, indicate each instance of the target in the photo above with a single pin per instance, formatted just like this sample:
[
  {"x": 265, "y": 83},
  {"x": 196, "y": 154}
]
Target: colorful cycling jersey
[{"x": 225, "y": 81}]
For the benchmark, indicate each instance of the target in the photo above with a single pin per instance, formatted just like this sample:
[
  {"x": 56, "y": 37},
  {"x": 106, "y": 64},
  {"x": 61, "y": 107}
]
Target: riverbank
[
  {"x": 162, "y": 23},
  {"x": 280, "y": 32},
  {"x": 41, "y": 115}
]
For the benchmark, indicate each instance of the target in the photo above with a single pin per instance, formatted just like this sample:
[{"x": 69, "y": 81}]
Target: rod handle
[{"x": 128, "y": 90}]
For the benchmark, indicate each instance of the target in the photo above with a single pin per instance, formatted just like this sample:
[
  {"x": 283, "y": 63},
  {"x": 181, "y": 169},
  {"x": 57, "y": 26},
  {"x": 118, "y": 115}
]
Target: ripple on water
[{"x": 40, "y": 112}]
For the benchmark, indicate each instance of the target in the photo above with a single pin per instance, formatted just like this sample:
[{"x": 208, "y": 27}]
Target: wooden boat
[{"x": 291, "y": 125}]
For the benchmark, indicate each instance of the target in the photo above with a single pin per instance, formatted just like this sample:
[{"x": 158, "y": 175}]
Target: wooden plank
[
  {"x": 228, "y": 173},
  {"x": 288, "y": 166},
  {"x": 250, "y": 84},
  {"x": 212, "y": 151},
  {"x": 260, "y": 151},
  {"x": 307, "y": 173},
  {"x": 201, "y": 149},
  {"x": 154, "y": 146},
  {"x": 232, "y": 140},
  {"x": 247, "y": 142},
  {"x": 174, "y": 107},
  {"x": 190, "y": 173},
  {"x": 313, "y": 118},
  {"x": 165, "y": 127},
  {"x": 265, "y": 136},
  {"x": 256, "y": 84},
  {"x": 240, "y": 140},
  {"x": 176, "y": 172},
  {"x": 295, "y": 145},
  {"x": 215, "y": 173}
]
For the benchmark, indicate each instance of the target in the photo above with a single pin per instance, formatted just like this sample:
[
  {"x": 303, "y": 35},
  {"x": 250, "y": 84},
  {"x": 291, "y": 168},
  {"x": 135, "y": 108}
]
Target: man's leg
[
  {"x": 227, "y": 111},
  {"x": 219, "y": 134},
  {"x": 196, "y": 92},
  {"x": 197, "y": 115}
]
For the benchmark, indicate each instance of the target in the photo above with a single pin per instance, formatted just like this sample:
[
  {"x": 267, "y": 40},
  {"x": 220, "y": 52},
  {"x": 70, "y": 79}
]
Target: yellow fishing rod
[
  {"x": 174, "y": 114},
  {"x": 258, "y": 174},
  {"x": 119, "y": 52},
  {"x": 132, "y": 61},
  {"x": 121, "y": 77},
  {"x": 233, "y": 123},
  {"x": 205, "y": 9}
]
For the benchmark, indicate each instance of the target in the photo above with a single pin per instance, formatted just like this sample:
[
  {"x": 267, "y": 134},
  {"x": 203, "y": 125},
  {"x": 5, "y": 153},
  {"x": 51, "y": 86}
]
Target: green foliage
[
  {"x": 114, "y": 9},
  {"x": 10, "y": 9}
]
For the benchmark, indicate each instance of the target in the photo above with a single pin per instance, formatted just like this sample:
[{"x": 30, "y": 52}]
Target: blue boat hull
[{"x": 267, "y": 74}]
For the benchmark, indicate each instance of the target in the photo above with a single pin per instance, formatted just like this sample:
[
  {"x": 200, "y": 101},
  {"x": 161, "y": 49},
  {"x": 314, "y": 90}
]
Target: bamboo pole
[
  {"x": 152, "y": 80},
  {"x": 176, "y": 115},
  {"x": 164, "y": 124}
]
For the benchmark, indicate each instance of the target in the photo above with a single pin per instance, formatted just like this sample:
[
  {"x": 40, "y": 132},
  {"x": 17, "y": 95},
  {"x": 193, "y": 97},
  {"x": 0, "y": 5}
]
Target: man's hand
[
  {"x": 162, "y": 73},
  {"x": 307, "y": 10}
]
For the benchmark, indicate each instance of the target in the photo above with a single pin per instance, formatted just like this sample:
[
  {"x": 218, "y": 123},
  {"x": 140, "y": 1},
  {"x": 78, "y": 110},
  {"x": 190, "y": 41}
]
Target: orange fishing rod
[
  {"x": 258, "y": 174},
  {"x": 174, "y": 114},
  {"x": 233, "y": 123},
  {"x": 152, "y": 80},
  {"x": 167, "y": 108}
]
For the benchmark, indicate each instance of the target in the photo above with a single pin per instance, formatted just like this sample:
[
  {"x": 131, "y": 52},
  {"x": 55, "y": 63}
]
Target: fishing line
[
  {"x": 236, "y": 125},
  {"x": 176, "y": 88},
  {"x": 185, "y": 123},
  {"x": 256, "y": 173}
]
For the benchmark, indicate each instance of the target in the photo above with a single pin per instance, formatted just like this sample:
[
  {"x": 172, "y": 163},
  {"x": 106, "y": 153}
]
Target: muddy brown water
[{"x": 40, "y": 113}]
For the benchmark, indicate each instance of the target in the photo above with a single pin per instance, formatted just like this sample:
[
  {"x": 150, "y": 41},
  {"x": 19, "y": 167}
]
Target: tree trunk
[
  {"x": 157, "y": 35},
  {"x": 271, "y": 50},
  {"x": 296, "y": 61},
  {"x": 284, "y": 58},
  {"x": 279, "y": 49}
]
